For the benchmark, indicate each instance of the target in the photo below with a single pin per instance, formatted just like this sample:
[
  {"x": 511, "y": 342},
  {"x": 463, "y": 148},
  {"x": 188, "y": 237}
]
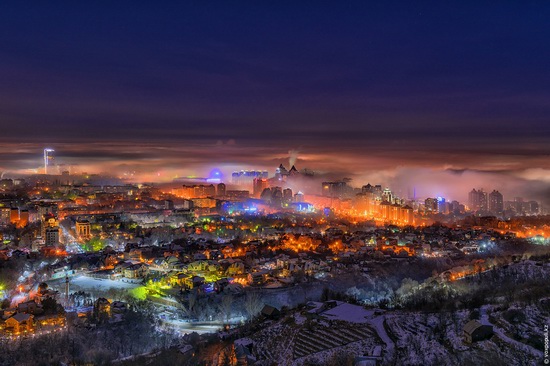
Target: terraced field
[{"x": 312, "y": 341}]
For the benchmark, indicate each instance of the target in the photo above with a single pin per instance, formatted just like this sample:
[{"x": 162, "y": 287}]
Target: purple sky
[{"x": 442, "y": 97}]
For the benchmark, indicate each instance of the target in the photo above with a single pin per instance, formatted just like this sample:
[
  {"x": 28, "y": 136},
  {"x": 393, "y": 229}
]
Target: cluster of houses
[
  {"x": 111, "y": 310},
  {"x": 30, "y": 317},
  {"x": 273, "y": 263}
]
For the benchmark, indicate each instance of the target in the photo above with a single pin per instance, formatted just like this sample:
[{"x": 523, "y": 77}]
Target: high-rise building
[
  {"x": 334, "y": 189},
  {"x": 14, "y": 215},
  {"x": 430, "y": 205},
  {"x": 266, "y": 195},
  {"x": 281, "y": 173},
  {"x": 50, "y": 230},
  {"x": 442, "y": 206},
  {"x": 198, "y": 191},
  {"x": 235, "y": 177},
  {"x": 533, "y": 208},
  {"x": 237, "y": 195},
  {"x": 385, "y": 210},
  {"x": 52, "y": 236},
  {"x": 259, "y": 184},
  {"x": 23, "y": 218},
  {"x": 221, "y": 190},
  {"x": 387, "y": 195},
  {"x": 477, "y": 200},
  {"x": 48, "y": 159},
  {"x": 517, "y": 205},
  {"x": 273, "y": 196},
  {"x": 205, "y": 202},
  {"x": 49, "y": 221},
  {"x": 496, "y": 202},
  {"x": 247, "y": 176},
  {"x": 293, "y": 171},
  {"x": 5, "y": 215},
  {"x": 406, "y": 215},
  {"x": 367, "y": 189},
  {"x": 276, "y": 196},
  {"x": 287, "y": 195},
  {"x": 365, "y": 202},
  {"x": 394, "y": 213},
  {"x": 456, "y": 207}
]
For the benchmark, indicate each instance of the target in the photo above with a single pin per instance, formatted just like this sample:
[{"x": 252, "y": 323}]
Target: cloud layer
[{"x": 441, "y": 98}]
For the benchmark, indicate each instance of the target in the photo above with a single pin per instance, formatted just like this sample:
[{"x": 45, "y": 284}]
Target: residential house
[
  {"x": 171, "y": 262},
  {"x": 19, "y": 323},
  {"x": 181, "y": 279},
  {"x": 136, "y": 270},
  {"x": 118, "y": 307},
  {"x": 258, "y": 278},
  {"x": 30, "y": 307},
  {"x": 235, "y": 268},
  {"x": 102, "y": 305},
  {"x": 270, "y": 312},
  {"x": 474, "y": 331}
]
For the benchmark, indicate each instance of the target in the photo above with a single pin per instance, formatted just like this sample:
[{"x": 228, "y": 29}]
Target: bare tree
[
  {"x": 225, "y": 307},
  {"x": 253, "y": 304},
  {"x": 191, "y": 309}
]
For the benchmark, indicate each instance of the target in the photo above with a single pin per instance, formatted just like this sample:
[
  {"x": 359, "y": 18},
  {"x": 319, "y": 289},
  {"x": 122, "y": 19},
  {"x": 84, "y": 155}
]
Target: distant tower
[{"x": 48, "y": 158}]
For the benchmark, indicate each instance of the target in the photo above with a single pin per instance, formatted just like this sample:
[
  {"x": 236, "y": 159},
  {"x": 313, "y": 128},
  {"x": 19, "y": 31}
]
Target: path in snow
[
  {"x": 378, "y": 324},
  {"x": 500, "y": 333}
]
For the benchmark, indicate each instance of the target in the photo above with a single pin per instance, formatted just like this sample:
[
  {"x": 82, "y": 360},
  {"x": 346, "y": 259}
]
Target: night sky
[{"x": 444, "y": 96}]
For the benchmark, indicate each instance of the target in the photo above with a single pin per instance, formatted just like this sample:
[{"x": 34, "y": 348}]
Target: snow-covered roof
[
  {"x": 471, "y": 326},
  {"x": 21, "y": 317}
]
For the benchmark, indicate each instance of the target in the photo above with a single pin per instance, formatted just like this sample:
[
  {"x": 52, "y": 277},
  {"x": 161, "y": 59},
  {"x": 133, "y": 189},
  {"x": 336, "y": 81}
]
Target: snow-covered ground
[
  {"x": 90, "y": 283},
  {"x": 378, "y": 324},
  {"x": 296, "y": 340},
  {"x": 405, "y": 337},
  {"x": 184, "y": 327},
  {"x": 437, "y": 338},
  {"x": 502, "y": 335},
  {"x": 349, "y": 313}
]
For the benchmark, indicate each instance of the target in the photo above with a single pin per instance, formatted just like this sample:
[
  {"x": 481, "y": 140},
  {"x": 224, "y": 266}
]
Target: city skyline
[
  {"x": 373, "y": 92},
  {"x": 274, "y": 183},
  {"x": 423, "y": 181}
]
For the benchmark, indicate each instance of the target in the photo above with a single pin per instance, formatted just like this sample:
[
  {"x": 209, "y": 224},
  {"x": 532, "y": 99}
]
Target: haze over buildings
[
  {"x": 435, "y": 95},
  {"x": 274, "y": 183}
]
